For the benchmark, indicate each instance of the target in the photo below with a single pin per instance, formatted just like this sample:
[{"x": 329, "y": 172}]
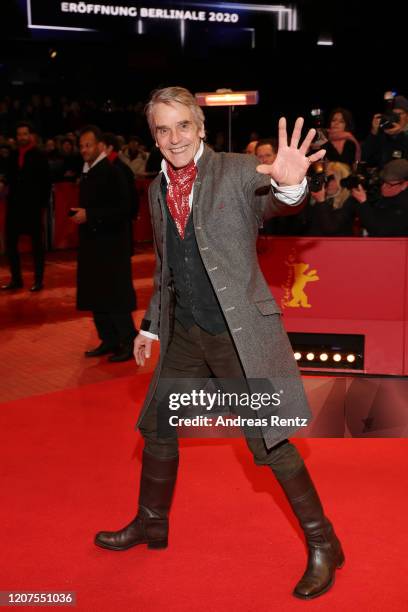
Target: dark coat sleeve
[
  {"x": 385, "y": 216},
  {"x": 32, "y": 183},
  {"x": 131, "y": 187},
  {"x": 324, "y": 220},
  {"x": 260, "y": 194},
  {"x": 115, "y": 205}
]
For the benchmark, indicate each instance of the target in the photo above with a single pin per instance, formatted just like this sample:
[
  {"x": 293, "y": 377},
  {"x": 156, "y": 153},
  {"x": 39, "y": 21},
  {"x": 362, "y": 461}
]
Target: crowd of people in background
[{"x": 361, "y": 189}]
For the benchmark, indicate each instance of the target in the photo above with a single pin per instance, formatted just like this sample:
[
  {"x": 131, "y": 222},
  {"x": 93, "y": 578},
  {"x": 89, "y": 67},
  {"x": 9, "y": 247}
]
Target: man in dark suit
[
  {"x": 104, "y": 277},
  {"x": 29, "y": 185},
  {"x": 112, "y": 150},
  {"x": 214, "y": 315}
]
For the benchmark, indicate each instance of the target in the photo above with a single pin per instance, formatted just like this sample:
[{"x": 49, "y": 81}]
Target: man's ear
[{"x": 201, "y": 133}]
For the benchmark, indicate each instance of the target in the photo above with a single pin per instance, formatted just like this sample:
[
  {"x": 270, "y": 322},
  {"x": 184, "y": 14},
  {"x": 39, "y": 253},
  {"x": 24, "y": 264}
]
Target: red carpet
[
  {"x": 70, "y": 463},
  {"x": 43, "y": 336},
  {"x": 69, "y": 466}
]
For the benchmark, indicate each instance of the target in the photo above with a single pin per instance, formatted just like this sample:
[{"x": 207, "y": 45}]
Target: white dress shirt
[{"x": 87, "y": 166}]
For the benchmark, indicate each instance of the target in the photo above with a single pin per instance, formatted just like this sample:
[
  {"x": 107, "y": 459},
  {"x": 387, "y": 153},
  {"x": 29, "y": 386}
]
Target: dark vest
[{"x": 196, "y": 302}]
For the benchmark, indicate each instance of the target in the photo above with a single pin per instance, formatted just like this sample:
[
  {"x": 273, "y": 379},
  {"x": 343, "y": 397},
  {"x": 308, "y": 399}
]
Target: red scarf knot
[{"x": 181, "y": 183}]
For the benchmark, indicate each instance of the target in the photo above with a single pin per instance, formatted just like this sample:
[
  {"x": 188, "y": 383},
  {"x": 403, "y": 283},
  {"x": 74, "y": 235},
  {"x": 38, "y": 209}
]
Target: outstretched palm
[{"x": 291, "y": 163}]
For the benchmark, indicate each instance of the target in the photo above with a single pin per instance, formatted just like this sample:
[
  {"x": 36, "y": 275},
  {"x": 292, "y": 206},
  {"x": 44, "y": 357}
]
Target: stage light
[
  {"x": 310, "y": 356},
  {"x": 324, "y": 357},
  {"x": 351, "y": 358},
  {"x": 325, "y": 40},
  {"x": 297, "y": 356},
  {"x": 53, "y": 53},
  {"x": 336, "y": 357},
  {"x": 227, "y": 97}
]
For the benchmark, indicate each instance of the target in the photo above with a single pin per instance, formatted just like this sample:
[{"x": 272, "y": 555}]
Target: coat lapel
[{"x": 199, "y": 200}]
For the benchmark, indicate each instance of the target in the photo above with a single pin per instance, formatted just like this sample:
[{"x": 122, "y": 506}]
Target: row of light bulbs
[{"x": 337, "y": 357}]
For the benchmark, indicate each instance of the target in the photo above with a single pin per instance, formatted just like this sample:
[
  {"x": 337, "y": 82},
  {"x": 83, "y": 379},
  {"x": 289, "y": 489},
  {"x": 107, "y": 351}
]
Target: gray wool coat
[{"x": 230, "y": 201}]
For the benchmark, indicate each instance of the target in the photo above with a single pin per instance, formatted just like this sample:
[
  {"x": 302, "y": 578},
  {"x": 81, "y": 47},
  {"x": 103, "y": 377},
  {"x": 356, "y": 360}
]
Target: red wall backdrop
[{"x": 358, "y": 286}]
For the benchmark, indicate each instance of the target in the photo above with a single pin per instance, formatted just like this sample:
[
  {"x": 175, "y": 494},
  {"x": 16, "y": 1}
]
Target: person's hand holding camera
[
  {"x": 395, "y": 129},
  {"x": 359, "y": 194}
]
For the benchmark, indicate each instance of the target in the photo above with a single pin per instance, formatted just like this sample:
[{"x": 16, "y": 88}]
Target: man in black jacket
[
  {"x": 387, "y": 214},
  {"x": 112, "y": 149},
  {"x": 384, "y": 145},
  {"x": 28, "y": 180},
  {"x": 104, "y": 277}
]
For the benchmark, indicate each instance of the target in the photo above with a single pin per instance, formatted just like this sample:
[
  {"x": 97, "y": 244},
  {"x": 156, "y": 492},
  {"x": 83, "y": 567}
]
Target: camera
[
  {"x": 317, "y": 117},
  {"x": 389, "y": 118},
  {"x": 317, "y": 122},
  {"x": 368, "y": 178},
  {"x": 317, "y": 177}
]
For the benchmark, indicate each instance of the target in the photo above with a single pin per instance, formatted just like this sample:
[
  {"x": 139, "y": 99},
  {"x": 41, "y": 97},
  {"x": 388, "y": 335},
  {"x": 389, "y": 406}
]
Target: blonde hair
[
  {"x": 340, "y": 171},
  {"x": 167, "y": 95}
]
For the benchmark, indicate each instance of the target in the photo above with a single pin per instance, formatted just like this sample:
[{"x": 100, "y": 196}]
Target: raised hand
[{"x": 291, "y": 164}]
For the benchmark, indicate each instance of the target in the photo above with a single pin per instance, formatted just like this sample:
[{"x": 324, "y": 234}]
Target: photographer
[
  {"x": 389, "y": 136},
  {"x": 331, "y": 211},
  {"x": 342, "y": 146},
  {"x": 387, "y": 213}
]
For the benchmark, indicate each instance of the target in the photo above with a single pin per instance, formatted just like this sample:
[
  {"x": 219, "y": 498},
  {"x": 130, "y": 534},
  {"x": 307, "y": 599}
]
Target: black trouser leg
[
  {"x": 38, "y": 250},
  {"x": 13, "y": 256},
  {"x": 105, "y": 328},
  {"x": 124, "y": 327}
]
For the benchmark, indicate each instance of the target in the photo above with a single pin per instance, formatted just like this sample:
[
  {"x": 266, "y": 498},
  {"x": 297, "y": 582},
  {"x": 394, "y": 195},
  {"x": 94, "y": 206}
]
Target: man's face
[
  {"x": 23, "y": 136},
  {"x": 177, "y": 135},
  {"x": 67, "y": 147},
  {"x": 393, "y": 188},
  {"x": 133, "y": 146},
  {"x": 50, "y": 146},
  {"x": 89, "y": 147},
  {"x": 403, "y": 117},
  {"x": 266, "y": 154}
]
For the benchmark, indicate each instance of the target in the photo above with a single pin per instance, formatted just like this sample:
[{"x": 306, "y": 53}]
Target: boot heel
[
  {"x": 158, "y": 544},
  {"x": 340, "y": 560}
]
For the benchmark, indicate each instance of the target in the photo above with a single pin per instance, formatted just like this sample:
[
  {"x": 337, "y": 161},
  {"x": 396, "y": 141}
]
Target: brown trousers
[{"x": 194, "y": 353}]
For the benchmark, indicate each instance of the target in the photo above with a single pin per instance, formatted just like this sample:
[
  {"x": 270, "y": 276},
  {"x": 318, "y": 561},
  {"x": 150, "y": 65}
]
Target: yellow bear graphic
[{"x": 299, "y": 297}]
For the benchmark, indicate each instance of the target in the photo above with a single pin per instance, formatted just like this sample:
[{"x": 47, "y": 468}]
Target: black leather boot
[
  {"x": 151, "y": 524},
  {"x": 325, "y": 553}
]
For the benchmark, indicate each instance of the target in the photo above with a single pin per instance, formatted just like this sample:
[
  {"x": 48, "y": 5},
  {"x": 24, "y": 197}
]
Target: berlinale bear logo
[{"x": 294, "y": 287}]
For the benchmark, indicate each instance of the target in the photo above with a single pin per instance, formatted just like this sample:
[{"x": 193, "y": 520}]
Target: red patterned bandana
[{"x": 178, "y": 192}]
